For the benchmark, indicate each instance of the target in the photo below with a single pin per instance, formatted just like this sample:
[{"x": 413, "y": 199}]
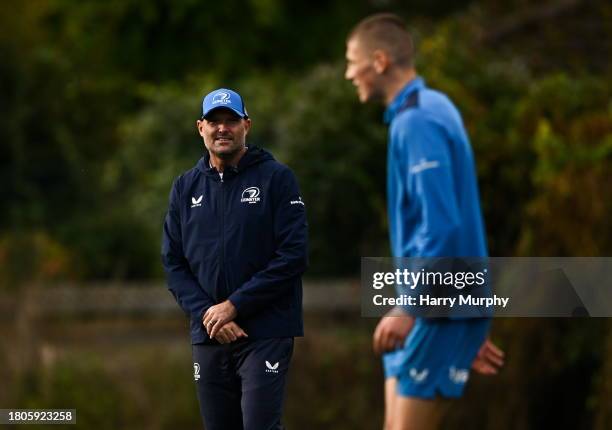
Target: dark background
[{"x": 97, "y": 117}]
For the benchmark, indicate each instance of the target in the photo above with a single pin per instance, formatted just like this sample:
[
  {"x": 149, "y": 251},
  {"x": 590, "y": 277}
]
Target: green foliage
[
  {"x": 334, "y": 381},
  {"x": 346, "y": 392},
  {"x": 335, "y": 147},
  {"x": 99, "y": 102},
  {"x": 569, "y": 123},
  {"x": 32, "y": 257},
  {"x": 65, "y": 386},
  {"x": 101, "y": 99},
  {"x": 114, "y": 393},
  {"x": 338, "y": 152}
]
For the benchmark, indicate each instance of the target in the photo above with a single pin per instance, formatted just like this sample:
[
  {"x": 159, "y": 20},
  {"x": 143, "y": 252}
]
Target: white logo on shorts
[
  {"x": 458, "y": 376},
  {"x": 196, "y": 371},
  {"x": 417, "y": 376},
  {"x": 271, "y": 368}
]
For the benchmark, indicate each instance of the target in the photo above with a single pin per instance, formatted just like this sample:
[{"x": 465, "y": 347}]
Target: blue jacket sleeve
[
  {"x": 291, "y": 257},
  {"x": 431, "y": 185},
  {"x": 182, "y": 283}
]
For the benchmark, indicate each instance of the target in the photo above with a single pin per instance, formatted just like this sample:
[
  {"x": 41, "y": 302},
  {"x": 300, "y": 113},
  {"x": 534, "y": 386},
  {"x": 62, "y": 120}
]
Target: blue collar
[{"x": 397, "y": 103}]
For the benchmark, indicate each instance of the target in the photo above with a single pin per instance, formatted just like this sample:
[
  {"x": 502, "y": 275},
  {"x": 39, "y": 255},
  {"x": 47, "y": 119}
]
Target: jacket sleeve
[
  {"x": 431, "y": 186},
  {"x": 182, "y": 283},
  {"x": 291, "y": 256}
]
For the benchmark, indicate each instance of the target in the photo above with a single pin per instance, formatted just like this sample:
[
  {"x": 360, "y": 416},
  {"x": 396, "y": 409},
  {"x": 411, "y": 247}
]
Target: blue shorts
[{"x": 436, "y": 357}]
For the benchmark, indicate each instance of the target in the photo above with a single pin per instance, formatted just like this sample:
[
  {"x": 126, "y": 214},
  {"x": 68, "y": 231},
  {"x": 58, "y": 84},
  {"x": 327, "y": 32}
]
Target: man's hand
[
  {"x": 489, "y": 359},
  {"x": 391, "y": 331},
  {"x": 230, "y": 332},
  {"x": 217, "y": 316}
]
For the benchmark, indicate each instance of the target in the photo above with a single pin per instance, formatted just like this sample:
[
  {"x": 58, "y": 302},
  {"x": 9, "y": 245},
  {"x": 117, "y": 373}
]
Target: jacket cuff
[{"x": 238, "y": 301}]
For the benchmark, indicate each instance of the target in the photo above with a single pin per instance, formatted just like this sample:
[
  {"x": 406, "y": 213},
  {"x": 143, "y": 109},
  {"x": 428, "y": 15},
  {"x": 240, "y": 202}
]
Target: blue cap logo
[{"x": 223, "y": 98}]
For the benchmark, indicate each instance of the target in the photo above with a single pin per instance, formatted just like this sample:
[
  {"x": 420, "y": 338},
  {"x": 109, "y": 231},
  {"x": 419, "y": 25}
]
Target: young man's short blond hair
[{"x": 387, "y": 32}]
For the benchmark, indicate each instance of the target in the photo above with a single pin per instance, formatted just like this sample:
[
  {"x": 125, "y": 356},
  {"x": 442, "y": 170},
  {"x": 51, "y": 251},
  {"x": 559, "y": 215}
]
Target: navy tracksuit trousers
[{"x": 241, "y": 385}]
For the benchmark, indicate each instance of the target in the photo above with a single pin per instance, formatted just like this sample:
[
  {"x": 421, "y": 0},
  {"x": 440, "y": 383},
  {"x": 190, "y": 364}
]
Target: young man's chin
[{"x": 369, "y": 97}]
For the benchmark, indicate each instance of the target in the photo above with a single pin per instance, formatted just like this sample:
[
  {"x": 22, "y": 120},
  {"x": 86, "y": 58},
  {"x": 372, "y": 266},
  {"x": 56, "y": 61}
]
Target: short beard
[{"x": 226, "y": 155}]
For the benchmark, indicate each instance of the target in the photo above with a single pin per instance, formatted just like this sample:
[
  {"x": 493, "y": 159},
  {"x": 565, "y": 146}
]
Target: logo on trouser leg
[
  {"x": 271, "y": 368},
  {"x": 196, "y": 372}
]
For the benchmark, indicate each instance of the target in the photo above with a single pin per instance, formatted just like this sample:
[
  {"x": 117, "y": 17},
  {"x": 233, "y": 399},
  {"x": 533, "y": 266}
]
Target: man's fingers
[
  {"x": 214, "y": 327},
  {"x": 489, "y": 359},
  {"x": 231, "y": 335},
  {"x": 478, "y": 366},
  {"x": 376, "y": 345},
  {"x": 494, "y": 358},
  {"x": 384, "y": 340},
  {"x": 376, "y": 340},
  {"x": 379, "y": 341},
  {"x": 209, "y": 325},
  {"x": 494, "y": 349},
  {"x": 207, "y": 321},
  {"x": 221, "y": 338},
  {"x": 238, "y": 332},
  {"x": 224, "y": 332},
  {"x": 389, "y": 341},
  {"x": 207, "y": 317},
  {"x": 492, "y": 353},
  {"x": 484, "y": 368}
]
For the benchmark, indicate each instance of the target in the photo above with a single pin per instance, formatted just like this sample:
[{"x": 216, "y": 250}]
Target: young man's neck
[
  {"x": 222, "y": 163},
  {"x": 397, "y": 81}
]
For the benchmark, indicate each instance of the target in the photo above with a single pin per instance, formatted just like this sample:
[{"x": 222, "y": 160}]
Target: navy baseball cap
[{"x": 223, "y": 98}]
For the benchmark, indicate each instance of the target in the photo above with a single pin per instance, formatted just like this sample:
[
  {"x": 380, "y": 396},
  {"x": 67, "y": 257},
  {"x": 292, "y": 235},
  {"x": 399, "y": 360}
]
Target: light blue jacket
[{"x": 432, "y": 192}]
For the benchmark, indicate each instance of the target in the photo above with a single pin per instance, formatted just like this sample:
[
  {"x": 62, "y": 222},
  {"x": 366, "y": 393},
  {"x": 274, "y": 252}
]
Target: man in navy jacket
[{"x": 234, "y": 250}]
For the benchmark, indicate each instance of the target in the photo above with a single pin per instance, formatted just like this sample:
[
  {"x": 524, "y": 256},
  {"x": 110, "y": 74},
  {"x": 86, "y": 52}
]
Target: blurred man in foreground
[{"x": 434, "y": 211}]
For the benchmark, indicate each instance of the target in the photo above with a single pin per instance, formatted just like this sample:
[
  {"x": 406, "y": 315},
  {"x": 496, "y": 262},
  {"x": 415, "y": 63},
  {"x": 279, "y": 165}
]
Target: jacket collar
[
  {"x": 254, "y": 155},
  {"x": 397, "y": 104}
]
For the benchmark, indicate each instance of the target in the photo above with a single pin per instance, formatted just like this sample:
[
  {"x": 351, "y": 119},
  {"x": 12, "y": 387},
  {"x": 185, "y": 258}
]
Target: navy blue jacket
[{"x": 243, "y": 238}]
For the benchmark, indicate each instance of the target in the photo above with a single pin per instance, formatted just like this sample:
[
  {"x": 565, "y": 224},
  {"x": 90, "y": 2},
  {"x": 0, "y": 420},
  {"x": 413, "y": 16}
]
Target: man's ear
[
  {"x": 247, "y": 125},
  {"x": 200, "y": 126},
  {"x": 381, "y": 61}
]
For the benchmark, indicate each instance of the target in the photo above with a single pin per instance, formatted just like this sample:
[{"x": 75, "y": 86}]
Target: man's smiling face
[{"x": 224, "y": 132}]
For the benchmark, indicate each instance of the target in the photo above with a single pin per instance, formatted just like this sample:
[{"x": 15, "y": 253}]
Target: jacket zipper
[{"x": 222, "y": 256}]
